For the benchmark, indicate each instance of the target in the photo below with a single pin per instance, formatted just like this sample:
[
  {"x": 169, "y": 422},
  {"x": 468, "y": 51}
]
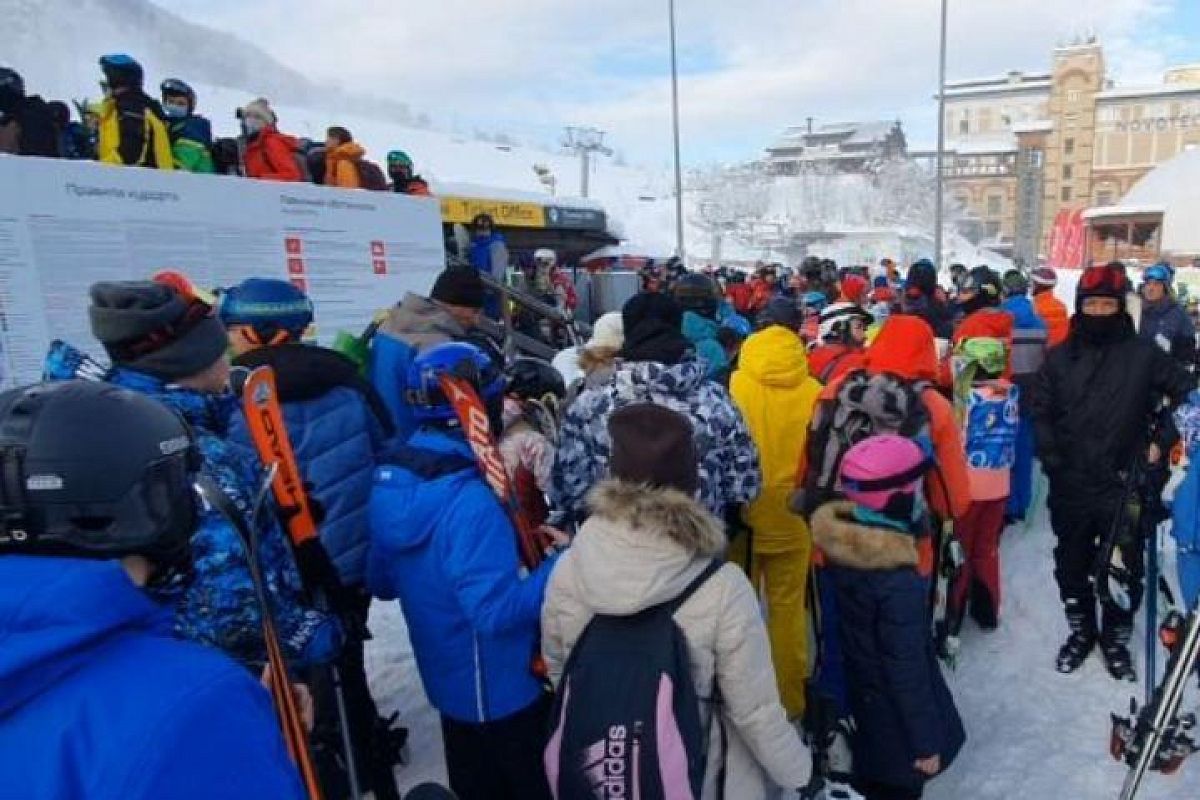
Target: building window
[
  {"x": 964, "y": 126},
  {"x": 1068, "y": 147},
  {"x": 992, "y": 228},
  {"x": 1035, "y": 159},
  {"x": 1104, "y": 198},
  {"x": 1068, "y": 172},
  {"x": 1074, "y": 95},
  {"x": 1066, "y": 194},
  {"x": 994, "y": 203}
]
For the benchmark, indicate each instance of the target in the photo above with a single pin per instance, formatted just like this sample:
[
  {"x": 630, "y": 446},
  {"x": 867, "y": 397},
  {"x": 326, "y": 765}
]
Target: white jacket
[{"x": 641, "y": 547}]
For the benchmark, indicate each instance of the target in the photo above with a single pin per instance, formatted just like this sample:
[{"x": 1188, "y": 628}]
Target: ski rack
[{"x": 1159, "y": 730}]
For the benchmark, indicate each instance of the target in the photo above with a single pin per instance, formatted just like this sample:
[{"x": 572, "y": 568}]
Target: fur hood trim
[
  {"x": 846, "y": 542},
  {"x": 659, "y": 512},
  {"x": 592, "y": 359}
]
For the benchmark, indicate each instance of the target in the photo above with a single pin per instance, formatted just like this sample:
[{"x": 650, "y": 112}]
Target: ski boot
[
  {"x": 1114, "y": 646},
  {"x": 1081, "y": 618}
]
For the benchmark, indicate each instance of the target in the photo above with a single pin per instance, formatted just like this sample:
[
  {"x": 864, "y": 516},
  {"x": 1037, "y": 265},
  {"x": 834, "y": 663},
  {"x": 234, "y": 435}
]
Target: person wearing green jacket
[{"x": 191, "y": 134}]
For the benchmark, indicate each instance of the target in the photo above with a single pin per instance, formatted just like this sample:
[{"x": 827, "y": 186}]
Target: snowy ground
[{"x": 1033, "y": 732}]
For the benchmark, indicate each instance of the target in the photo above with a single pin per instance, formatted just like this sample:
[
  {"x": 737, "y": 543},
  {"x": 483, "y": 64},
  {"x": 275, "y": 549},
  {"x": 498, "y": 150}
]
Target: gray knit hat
[{"x": 151, "y": 328}]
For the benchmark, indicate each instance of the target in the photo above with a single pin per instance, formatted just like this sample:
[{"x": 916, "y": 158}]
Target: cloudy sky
[{"x": 748, "y": 67}]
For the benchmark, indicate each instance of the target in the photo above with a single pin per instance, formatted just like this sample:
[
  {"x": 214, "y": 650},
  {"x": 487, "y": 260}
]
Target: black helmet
[
  {"x": 697, "y": 292},
  {"x": 983, "y": 282},
  {"x": 481, "y": 219},
  {"x": 121, "y": 70},
  {"x": 12, "y": 88},
  {"x": 70, "y": 486},
  {"x": 533, "y": 379}
]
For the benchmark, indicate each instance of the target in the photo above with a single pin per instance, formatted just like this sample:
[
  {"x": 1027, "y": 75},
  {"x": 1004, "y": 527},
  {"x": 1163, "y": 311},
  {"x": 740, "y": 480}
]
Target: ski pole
[
  {"x": 280, "y": 684},
  {"x": 1151, "y": 592}
]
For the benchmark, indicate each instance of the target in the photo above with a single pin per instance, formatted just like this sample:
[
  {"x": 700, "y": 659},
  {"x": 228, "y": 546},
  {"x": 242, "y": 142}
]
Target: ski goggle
[
  {"x": 176, "y": 87},
  {"x": 1103, "y": 280}
]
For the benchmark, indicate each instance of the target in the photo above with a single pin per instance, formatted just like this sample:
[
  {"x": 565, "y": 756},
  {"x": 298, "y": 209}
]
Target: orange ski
[
  {"x": 473, "y": 418},
  {"x": 264, "y": 418}
]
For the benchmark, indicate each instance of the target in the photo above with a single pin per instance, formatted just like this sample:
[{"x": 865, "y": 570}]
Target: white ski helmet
[
  {"x": 835, "y": 319},
  {"x": 545, "y": 254}
]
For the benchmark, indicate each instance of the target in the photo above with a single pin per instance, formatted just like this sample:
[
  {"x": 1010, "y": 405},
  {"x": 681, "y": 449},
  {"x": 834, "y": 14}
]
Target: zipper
[
  {"x": 635, "y": 792},
  {"x": 480, "y": 702}
]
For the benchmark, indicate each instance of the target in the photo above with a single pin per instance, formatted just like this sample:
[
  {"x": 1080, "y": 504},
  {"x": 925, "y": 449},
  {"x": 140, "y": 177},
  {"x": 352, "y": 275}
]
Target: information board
[{"x": 66, "y": 224}]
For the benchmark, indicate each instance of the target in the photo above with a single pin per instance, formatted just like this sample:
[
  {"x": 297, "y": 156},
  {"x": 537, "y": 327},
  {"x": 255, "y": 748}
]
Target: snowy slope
[{"x": 1033, "y": 733}]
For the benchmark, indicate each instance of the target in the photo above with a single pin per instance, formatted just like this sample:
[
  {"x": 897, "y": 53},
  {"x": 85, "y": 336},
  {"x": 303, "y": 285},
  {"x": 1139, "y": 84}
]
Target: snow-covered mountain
[{"x": 55, "y": 44}]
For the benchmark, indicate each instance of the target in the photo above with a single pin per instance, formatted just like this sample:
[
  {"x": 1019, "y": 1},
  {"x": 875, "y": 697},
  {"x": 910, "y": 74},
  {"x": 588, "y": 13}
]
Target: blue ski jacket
[
  {"x": 98, "y": 700},
  {"x": 702, "y": 333},
  {"x": 338, "y": 427},
  {"x": 442, "y": 543}
]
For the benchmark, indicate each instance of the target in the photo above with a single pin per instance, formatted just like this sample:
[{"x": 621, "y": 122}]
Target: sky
[{"x": 748, "y": 68}]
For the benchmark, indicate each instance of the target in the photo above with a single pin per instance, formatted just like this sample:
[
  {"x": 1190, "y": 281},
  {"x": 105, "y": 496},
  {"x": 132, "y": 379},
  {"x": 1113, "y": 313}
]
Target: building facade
[
  {"x": 845, "y": 147},
  {"x": 1024, "y": 147}
]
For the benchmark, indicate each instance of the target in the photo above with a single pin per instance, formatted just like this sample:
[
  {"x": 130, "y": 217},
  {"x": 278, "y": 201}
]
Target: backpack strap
[
  {"x": 673, "y": 605},
  {"x": 832, "y": 366}
]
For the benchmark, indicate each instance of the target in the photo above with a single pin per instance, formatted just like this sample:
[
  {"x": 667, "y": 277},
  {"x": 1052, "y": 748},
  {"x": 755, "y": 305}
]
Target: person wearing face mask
[
  {"x": 171, "y": 347},
  {"x": 191, "y": 134},
  {"x": 86, "y": 646},
  {"x": 269, "y": 155},
  {"x": 404, "y": 179},
  {"x": 1164, "y": 321},
  {"x": 1093, "y": 403},
  {"x": 132, "y": 130}
]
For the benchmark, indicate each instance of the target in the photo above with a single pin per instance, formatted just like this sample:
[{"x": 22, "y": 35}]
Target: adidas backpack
[
  {"x": 865, "y": 405},
  {"x": 626, "y": 715}
]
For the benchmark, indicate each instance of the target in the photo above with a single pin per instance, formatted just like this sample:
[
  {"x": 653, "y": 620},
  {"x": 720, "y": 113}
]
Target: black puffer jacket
[{"x": 1093, "y": 404}]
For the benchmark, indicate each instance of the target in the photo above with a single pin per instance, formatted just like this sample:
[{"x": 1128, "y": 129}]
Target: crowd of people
[
  {"x": 128, "y": 127},
  {"x": 704, "y": 557}
]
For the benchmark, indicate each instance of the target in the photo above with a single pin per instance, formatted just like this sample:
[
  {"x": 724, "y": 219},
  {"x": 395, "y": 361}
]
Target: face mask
[
  {"x": 174, "y": 111},
  {"x": 1102, "y": 330},
  {"x": 252, "y": 126}
]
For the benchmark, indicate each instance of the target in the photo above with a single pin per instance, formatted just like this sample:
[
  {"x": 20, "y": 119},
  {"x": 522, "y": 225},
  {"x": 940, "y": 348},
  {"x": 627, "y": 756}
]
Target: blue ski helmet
[
  {"x": 814, "y": 301},
  {"x": 269, "y": 306},
  {"x": 1161, "y": 272},
  {"x": 460, "y": 359},
  {"x": 121, "y": 70}
]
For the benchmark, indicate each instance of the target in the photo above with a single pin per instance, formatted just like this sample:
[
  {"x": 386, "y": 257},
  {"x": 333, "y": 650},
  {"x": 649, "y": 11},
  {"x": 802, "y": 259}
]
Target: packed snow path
[{"x": 1033, "y": 733}]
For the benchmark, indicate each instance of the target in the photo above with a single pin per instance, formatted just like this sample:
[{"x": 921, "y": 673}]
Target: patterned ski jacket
[
  {"x": 218, "y": 606},
  {"x": 729, "y": 470}
]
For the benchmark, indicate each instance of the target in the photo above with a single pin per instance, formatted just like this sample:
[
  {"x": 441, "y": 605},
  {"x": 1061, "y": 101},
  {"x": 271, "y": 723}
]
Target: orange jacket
[
  {"x": 272, "y": 156},
  {"x": 341, "y": 168},
  {"x": 829, "y": 362},
  {"x": 1054, "y": 313},
  {"x": 990, "y": 322},
  {"x": 905, "y": 348}
]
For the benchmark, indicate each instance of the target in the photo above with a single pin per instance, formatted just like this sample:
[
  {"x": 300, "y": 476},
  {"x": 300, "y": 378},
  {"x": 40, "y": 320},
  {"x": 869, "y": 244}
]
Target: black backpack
[
  {"x": 370, "y": 176},
  {"x": 865, "y": 405},
  {"x": 626, "y": 689}
]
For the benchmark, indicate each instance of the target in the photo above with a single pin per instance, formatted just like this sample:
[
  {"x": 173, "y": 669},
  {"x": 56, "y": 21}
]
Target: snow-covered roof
[
  {"x": 857, "y": 133},
  {"x": 481, "y": 192},
  {"x": 1123, "y": 210},
  {"x": 1134, "y": 92},
  {"x": 1036, "y": 126},
  {"x": 979, "y": 145},
  {"x": 1022, "y": 84},
  {"x": 1173, "y": 189}
]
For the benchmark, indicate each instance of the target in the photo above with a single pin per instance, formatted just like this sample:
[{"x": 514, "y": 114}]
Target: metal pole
[
  {"x": 941, "y": 143},
  {"x": 679, "y": 250},
  {"x": 584, "y": 158}
]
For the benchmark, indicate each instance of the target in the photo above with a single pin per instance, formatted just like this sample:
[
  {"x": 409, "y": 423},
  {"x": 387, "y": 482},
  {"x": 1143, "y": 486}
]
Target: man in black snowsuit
[
  {"x": 1095, "y": 403},
  {"x": 26, "y": 125}
]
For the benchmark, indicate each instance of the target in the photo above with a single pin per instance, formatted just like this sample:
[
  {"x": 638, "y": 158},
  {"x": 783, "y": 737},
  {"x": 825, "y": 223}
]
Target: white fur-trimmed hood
[{"x": 641, "y": 546}]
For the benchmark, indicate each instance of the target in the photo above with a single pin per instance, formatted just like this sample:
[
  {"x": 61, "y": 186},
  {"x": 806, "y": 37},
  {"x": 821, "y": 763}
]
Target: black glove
[
  {"x": 1052, "y": 462},
  {"x": 734, "y": 524},
  {"x": 321, "y": 581}
]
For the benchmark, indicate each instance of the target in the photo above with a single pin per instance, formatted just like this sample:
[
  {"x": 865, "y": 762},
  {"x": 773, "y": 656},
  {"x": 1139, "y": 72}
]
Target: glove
[
  {"x": 1052, "y": 462},
  {"x": 321, "y": 579}
]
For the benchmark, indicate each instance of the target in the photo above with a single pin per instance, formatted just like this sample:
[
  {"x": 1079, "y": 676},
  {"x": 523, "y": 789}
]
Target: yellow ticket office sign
[{"x": 505, "y": 213}]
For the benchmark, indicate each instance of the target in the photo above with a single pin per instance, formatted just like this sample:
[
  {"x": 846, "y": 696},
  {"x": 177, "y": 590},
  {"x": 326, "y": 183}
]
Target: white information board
[{"x": 66, "y": 224}]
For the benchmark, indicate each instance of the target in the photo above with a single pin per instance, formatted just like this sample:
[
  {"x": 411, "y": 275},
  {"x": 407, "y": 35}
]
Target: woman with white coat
[{"x": 646, "y": 540}]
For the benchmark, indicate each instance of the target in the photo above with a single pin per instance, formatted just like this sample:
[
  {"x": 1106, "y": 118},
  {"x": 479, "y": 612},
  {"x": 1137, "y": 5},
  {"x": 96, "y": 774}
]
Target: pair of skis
[
  {"x": 264, "y": 419},
  {"x": 1158, "y": 737}
]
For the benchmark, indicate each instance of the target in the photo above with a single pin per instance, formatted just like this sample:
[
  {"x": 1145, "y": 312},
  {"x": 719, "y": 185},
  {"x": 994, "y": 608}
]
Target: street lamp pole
[
  {"x": 679, "y": 250},
  {"x": 941, "y": 143}
]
